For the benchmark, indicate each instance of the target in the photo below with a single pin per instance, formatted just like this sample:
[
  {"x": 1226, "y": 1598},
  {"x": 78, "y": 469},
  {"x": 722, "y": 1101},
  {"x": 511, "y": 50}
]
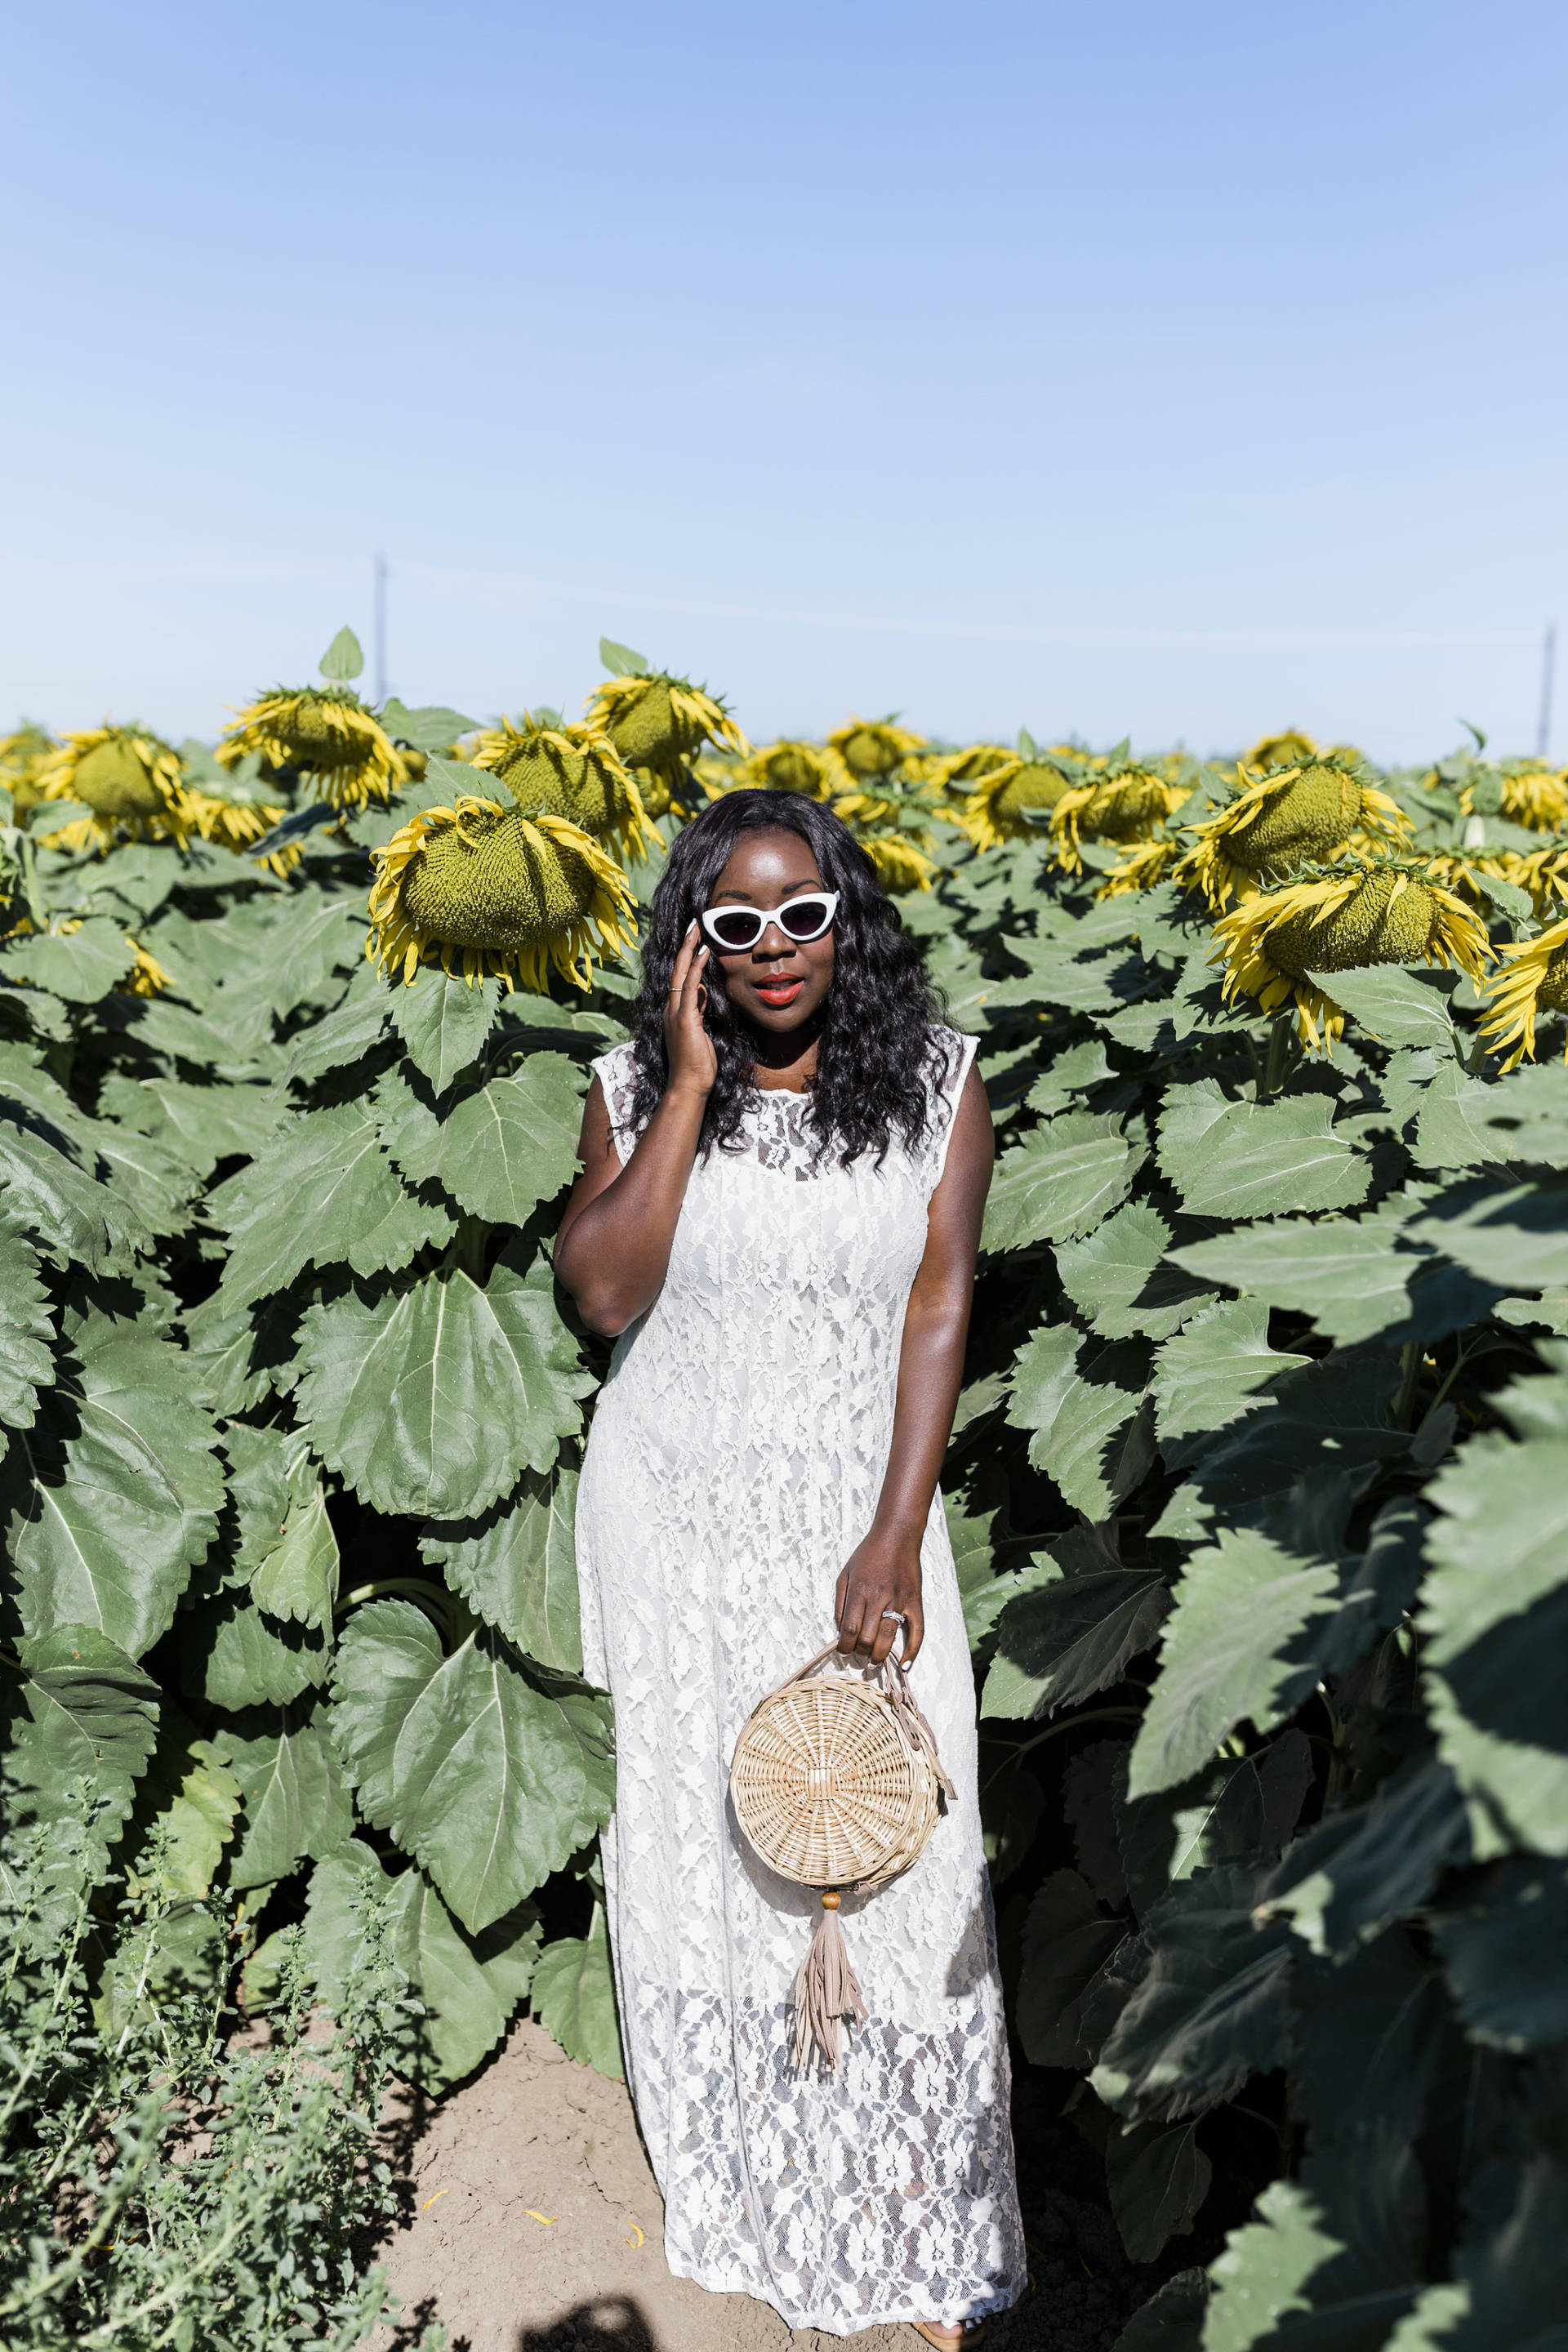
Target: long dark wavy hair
[{"x": 878, "y": 1051}]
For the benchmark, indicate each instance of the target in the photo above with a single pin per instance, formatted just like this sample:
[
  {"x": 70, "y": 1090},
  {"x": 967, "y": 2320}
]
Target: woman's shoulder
[
  {"x": 617, "y": 1073},
  {"x": 951, "y": 1051}
]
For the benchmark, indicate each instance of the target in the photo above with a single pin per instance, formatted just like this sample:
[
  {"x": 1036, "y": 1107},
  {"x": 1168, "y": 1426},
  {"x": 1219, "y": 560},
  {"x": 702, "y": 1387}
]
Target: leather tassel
[{"x": 825, "y": 1990}]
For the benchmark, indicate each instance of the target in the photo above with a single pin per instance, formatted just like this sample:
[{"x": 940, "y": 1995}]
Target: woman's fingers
[
  {"x": 684, "y": 954},
  {"x": 914, "y": 1632}
]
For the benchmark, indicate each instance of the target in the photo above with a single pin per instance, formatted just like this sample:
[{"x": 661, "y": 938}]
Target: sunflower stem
[
  {"x": 30, "y": 891},
  {"x": 1273, "y": 1078},
  {"x": 1410, "y": 1357}
]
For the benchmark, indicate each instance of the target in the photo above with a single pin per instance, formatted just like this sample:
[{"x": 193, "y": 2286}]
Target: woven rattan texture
[{"x": 827, "y": 1787}]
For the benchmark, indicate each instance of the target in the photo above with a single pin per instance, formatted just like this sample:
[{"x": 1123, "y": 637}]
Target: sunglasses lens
[
  {"x": 735, "y": 927},
  {"x": 805, "y": 919}
]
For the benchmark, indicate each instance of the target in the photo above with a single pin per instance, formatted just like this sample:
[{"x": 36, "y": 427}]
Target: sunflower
[
  {"x": 900, "y": 864},
  {"x": 326, "y": 732},
  {"x": 1532, "y": 795},
  {"x": 656, "y": 721},
  {"x": 1542, "y": 871},
  {"x": 1141, "y": 866},
  {"x": 481, "y": 888},
  {"x": 1343, "y": 920},
  {"x": 235, "y": 825},
  {"x": 1124, "y": 804},
  {"x": 146, "y": 976},
  {"x": 873, "y": 746},
  {"x": 816, "y": 773},
  {"x": 129, "y": 777},
  {"x": 995, "y": 809},
  {"x": 1291, "y": 817},
  {"x": 1290, "y": 748},
  {"x": 570, "y": 771},
  {"x": 1533, "y": 979},
  {"x": 23, "y": 753}
]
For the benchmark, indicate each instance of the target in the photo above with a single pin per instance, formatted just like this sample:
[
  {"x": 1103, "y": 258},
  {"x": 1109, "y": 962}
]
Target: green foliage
[
  {"x": 164, "y": 2185},
  {"x": 1255, "y": 1496}
]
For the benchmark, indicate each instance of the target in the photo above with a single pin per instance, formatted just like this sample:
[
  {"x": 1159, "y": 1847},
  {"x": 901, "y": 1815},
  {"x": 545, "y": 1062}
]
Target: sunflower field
[{"x": 1258, "y": 1490}]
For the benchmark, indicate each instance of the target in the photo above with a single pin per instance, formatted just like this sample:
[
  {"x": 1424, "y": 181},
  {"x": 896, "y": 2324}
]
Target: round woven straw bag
[{"x": 837, "y": 1784}]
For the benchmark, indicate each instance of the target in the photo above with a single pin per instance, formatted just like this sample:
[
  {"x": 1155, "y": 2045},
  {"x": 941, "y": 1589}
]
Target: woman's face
[{"x": 779, "y": 984}]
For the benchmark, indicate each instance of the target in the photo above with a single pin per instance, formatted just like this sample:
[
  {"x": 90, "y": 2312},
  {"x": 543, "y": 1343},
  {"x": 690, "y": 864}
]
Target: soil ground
[{"x": 530, "y": 2222}]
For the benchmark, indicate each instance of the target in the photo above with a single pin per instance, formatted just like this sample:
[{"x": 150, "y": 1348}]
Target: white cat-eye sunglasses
[{"x": 733, "y": 930}]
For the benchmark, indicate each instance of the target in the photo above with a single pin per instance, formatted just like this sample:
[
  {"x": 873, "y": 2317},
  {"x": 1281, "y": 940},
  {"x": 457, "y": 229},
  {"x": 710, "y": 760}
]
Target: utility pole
[
  {"x": 380, "y": 629},
  {"x": 1548, "y": 665}
]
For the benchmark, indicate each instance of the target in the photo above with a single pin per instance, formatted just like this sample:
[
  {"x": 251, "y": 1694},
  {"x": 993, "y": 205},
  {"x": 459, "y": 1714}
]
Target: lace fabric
[{"x": 735, "y": 1461}]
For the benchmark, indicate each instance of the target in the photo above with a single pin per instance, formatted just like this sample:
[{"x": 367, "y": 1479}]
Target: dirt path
[
  {"x": 530, "y": 2223},
  {"x": 536, "y": 2131}
]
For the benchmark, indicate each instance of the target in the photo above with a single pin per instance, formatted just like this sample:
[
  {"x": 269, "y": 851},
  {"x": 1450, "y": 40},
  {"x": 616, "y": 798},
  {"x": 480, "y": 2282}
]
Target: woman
[{"x": 783, "y": 1177}]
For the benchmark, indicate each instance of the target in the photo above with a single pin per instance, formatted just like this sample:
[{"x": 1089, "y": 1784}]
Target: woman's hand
[
  {"x": 881, "y": 1573},
  {"x": 693, "y": 1064}
]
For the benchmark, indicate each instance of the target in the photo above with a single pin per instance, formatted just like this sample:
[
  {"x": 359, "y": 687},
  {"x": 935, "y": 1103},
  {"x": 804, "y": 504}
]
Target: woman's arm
[
  {"x": 612, "y": 1249},
  {"x": 884, "y": 1570}
]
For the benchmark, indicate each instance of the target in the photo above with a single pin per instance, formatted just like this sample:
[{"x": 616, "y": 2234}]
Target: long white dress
[{"x": 736, "y": 1459}]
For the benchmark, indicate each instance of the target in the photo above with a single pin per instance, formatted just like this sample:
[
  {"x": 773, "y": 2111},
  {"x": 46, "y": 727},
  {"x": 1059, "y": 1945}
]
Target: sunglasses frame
[{"x": 766, "y": 915}]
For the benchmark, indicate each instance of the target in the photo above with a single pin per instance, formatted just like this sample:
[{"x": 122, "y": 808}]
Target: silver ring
[{"x": 897, "y": 1615}]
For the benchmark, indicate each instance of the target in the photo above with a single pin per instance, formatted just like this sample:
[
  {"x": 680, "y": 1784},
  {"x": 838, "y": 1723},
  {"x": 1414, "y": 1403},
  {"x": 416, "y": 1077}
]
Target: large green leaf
[
  {"x": 26, "y": 1333},
  {"x": 322, "y": 1191},
  {"x": 234, "y": 1657},
  {"x": 1212, "y": 2007},
  {"x": 347, "y": 1036},
  {"x": 1229, "y": 1652},
  {"x": 574, "y": 1998},
  {"x": 295, "y": 1801},
  {"x": 311, "y": 949},
  {"x": 1515, "y": 1236},
  {"x": 468, "y": 1987},
  {"x": 1262, "y": 2278},
  {"x": 489, "y": 1782},
  {"x": 1369, "y": 2032},
  {"x": 298, "y": 1578},
  {"x": 1067, "y": 1942},
  {"x": 1172, "y": 2318},
  {"x": 80, "y": 967},
  {"x": 501, "y": 1152},
  {"x": 270, "y": 1475},
  {"x": 1254, "y": 1159},
  {"x": 81, "y": 1710},
  {"x": 1513, "y": 2265},
  {"x": 1451, "y": 1129},
  {"x": 435, "y": 1399},
  {"x": 1158, "y": 2176},
  {"x": 1352, "y": 1873},
  {"x": 1209, "y": 1373},
  {"x": 67, "y": 1213},
  {"x": 516, "y": 1567},
  {"x": 1495, "y": 1617},
  {"x": 1061, "y": 1181},
  {"x": 1400, "y": 1004},
  {"x": 1120, "y": 1281},
  {"x": 1078, "y": 1407},
  {"x": 444, "y": 1023},
  {"x": 1217, "y": 1815},
  {"x": 1071, "y": 1638},
  {"x": 1503, "y": 1948},
  {"x": 113, "y": 1496},
  {"x": 429, "y": 728},
  {"x": 189, "y": 1799},
  {"x": 1323, "y": 1421},
  {"x": 198, "y": 1125},
  {"x": 1350, "y": 1276}
]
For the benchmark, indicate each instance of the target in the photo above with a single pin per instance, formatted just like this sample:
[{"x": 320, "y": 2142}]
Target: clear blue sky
[{"x": 1132, "y": 369}]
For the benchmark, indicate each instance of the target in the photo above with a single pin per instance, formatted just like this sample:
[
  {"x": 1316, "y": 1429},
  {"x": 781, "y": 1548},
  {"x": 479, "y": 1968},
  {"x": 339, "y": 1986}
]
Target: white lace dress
[{"x": 736, "y": 1458}]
